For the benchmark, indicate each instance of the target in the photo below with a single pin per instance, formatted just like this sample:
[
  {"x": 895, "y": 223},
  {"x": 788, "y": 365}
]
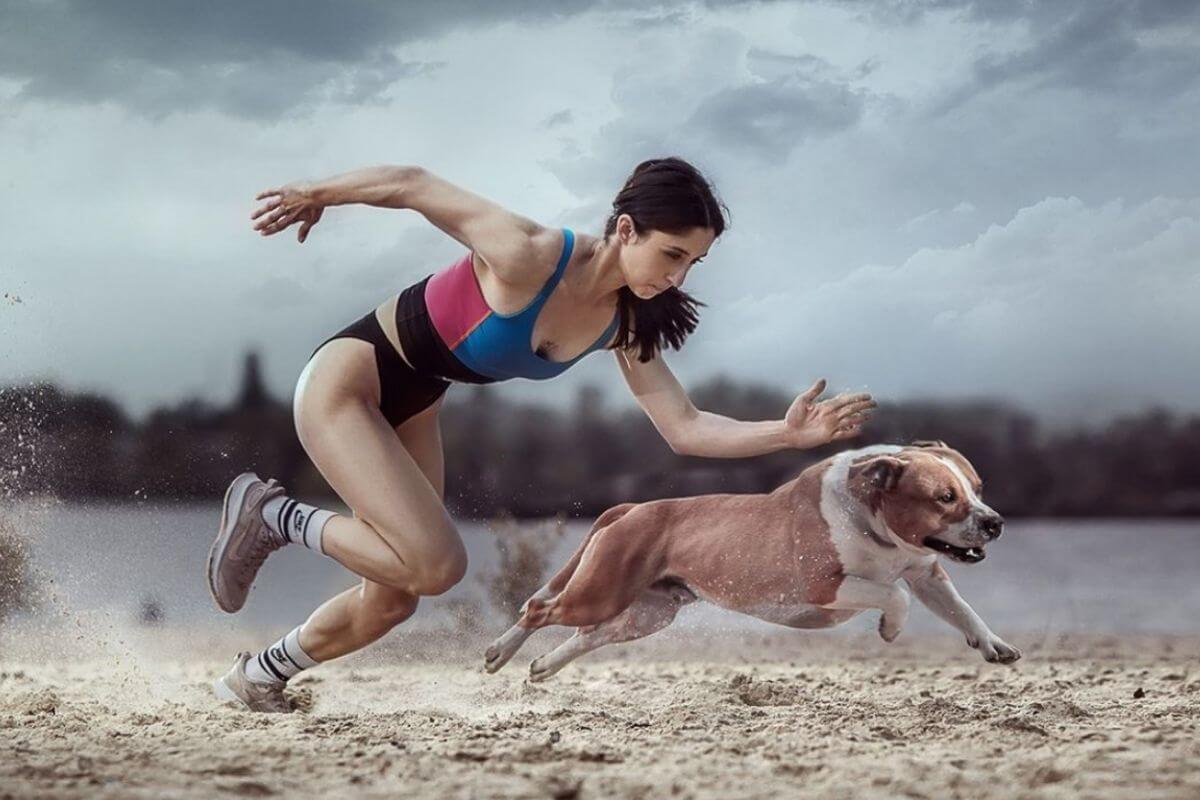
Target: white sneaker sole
[
  {"x": 225, "y": 694},
  {"x": 232, "y": 506}
]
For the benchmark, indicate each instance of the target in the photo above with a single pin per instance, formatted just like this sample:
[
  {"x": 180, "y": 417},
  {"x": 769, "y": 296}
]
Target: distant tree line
[{"x": 504, "y": 457}]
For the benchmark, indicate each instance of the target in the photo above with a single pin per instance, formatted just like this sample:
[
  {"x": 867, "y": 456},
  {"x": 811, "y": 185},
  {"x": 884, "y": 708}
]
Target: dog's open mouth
[{"x": 969, "y": 555}]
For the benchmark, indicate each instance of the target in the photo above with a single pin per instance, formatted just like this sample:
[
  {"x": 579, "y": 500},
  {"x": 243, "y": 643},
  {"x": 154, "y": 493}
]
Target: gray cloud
[
  {"x": 248, "y": 59},
  {"x": 1129, "y": 47},
  {"x": 257, "y": 59},
  {"x": 1065, "y": 308},
  {"x": 1039, "y": 15},
  {"x": 1142, "y": 50},
  {"x": 771, "y": 118},
  {"x": 558, "y": 118}
]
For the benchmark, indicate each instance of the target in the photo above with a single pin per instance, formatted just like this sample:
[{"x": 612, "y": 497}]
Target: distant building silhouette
[{"x": 253, "y": 395}]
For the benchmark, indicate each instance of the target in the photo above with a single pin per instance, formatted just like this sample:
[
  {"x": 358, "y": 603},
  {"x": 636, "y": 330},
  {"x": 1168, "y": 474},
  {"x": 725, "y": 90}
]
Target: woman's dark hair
[{"x": 669, "y": 195}]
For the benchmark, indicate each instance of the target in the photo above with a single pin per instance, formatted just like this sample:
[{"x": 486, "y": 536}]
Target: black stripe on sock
[
  {"x": 283, "y": 646},
  {"x": 269, "y": 666},
  {"x": 288, "y": 508},
  {"x": 279, "y": 519}
]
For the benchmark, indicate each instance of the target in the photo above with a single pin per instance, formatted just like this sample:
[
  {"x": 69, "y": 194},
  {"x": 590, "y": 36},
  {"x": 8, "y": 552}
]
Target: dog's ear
[
  {"x": 880, "y": 472},
  {"x": 930, "y": 443}
]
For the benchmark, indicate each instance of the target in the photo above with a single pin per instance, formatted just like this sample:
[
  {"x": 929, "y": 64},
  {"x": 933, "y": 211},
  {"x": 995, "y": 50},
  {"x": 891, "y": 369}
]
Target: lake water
[{"x": 1045, "y": 576}]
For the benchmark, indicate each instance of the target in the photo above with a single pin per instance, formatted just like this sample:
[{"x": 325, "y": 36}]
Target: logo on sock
[
  {"x": 299, "y": 520},
  {"x": 277, "y": 654}
]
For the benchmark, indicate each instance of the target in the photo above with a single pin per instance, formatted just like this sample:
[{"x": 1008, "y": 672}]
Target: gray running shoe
[
  {"x": 235, "y": 687},
  {"x": 243, "y": 542}
]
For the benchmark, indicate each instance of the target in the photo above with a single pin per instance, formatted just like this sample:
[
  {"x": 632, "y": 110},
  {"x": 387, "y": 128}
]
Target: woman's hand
[
  {"x": 286, "y": 205},
  {"x": 811, "y": 423}
]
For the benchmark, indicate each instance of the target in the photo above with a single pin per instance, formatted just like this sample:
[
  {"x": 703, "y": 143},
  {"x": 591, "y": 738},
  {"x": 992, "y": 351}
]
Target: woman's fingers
[
  {"x": 274, "y": 226},
  {"x": 279, "y": 219},
  {"x": 856, "y": 408},
  {"x": 268, "y": 193},
  {"x": 267, "y": 222},
  {"x": 814, "y": 391},
  {"x": 271, "y": 206},
  {"x": 846, "y": 399},
  {"x": 282, "y": 224}
]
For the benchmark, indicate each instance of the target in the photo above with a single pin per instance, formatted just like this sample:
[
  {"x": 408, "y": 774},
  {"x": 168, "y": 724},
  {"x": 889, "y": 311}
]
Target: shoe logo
[
  {"x": 246, "y": 534},
  {"x": 244, "y": 546}
]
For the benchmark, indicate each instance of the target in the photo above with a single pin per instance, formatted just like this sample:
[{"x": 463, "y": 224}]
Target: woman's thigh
[
  {"x": 366, "y": 461},
  {"x": 422, "y": 438}
]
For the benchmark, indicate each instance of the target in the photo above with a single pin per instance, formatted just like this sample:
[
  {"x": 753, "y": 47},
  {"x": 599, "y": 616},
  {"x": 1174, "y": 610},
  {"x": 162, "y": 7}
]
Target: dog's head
[{"x": 929, "y": 496}]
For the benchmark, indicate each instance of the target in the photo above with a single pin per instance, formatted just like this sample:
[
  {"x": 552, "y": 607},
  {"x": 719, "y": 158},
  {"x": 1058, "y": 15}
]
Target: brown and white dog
[{"x": 825, "y": 546}]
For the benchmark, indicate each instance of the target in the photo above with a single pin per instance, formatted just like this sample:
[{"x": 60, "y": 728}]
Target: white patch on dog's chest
[{"x": 864, "y": 554}]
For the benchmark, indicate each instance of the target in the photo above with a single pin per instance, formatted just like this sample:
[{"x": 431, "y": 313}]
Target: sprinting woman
[{"x": 526, "y": 301}]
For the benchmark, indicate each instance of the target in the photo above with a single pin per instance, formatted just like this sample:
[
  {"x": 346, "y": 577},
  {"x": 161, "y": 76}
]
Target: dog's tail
[{"x": 559, "y": 581}]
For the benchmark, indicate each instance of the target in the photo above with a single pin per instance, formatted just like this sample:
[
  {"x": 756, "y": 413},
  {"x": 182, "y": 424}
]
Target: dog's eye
[{"x": 947, "y": 497}]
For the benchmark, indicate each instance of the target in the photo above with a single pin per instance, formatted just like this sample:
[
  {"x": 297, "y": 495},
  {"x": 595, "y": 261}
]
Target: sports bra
[{"x": 494, "y": 345}]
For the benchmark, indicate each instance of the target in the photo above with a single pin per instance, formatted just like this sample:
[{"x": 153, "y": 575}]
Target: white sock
[
  {"x": 281, "y": 661},
  {"x": 297, "y": 522}
]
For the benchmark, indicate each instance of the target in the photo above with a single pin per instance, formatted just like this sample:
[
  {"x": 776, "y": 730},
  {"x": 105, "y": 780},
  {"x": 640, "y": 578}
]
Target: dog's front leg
[
  {"x": 932, "y": 587},
  {"x": 861, "y": 594}
]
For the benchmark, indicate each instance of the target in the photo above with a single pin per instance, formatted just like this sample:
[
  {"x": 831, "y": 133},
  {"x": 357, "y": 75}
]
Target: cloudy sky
[{"x": 929, "y": 199}]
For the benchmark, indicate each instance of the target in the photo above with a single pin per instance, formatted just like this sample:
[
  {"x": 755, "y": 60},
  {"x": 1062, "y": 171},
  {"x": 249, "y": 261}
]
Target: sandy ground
[{"x": 752, "y": 715}]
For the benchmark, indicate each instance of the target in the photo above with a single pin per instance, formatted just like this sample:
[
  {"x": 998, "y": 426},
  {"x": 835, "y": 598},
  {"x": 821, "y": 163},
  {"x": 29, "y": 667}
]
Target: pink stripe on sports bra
[{"x": 456, "y": 306}]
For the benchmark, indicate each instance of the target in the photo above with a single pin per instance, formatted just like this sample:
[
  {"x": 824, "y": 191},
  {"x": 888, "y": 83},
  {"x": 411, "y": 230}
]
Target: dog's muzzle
[
  {"x": 987, "y": 528},
  {"x": 991, "y": 526},
  {"x": 967, "y": 555}
]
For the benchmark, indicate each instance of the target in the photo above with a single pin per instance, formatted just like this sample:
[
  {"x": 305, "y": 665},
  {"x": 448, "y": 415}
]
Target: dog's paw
[
  {"x": 895, "y": 616},
  {"x": 539, "y": 670},
  {"x": 890, "y": 626},
  {"x": 997, "y": 651}
]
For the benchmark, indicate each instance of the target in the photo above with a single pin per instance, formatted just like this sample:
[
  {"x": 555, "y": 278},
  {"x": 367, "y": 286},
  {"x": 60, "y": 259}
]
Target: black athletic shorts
[{"x": 404, "y": 391}]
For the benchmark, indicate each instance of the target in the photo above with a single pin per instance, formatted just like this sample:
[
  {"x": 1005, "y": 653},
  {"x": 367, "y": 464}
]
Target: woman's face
[{"x": 653, "y": 261}]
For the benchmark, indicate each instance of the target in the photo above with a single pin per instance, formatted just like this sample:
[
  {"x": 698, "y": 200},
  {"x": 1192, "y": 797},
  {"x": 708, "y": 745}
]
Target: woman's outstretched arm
[
  {"x": 507, "y": 242},
  {"x": 385, "y": 186},
  {"x": 305, "y": 201},
  {"x": 809, "y": 422}
]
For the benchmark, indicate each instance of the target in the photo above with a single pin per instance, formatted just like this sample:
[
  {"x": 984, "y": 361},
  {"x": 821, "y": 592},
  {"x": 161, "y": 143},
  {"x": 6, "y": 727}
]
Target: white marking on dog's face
[
  {"x": 967, "y": 532},
  {"x": 934, "y": 503}
]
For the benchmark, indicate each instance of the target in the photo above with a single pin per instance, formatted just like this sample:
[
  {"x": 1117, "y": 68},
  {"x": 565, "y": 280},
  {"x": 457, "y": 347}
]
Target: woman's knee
[
  {"x": 427, "y": 567},
  {"x": 437, "y": 573},
  {"x": 384, "y": 607}
]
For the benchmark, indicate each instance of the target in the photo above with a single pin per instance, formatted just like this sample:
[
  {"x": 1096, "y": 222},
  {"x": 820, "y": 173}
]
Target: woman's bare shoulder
[{"x": 529, "y": 259}]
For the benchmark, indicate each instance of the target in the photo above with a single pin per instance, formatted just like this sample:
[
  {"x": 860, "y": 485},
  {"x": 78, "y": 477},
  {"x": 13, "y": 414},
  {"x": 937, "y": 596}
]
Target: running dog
[{"x": 825, "y": 546}]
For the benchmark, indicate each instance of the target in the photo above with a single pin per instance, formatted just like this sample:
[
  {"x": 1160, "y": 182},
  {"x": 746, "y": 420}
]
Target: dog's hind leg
[
  {"x": 654, "y": 610},
  {"x": 507, "y": 645},
  {"x": 559, "y": 581}
]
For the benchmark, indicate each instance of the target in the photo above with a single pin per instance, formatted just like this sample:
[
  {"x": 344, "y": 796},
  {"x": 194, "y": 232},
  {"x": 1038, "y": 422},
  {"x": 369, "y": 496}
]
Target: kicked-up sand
[{"x": 686, "y": 715}]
